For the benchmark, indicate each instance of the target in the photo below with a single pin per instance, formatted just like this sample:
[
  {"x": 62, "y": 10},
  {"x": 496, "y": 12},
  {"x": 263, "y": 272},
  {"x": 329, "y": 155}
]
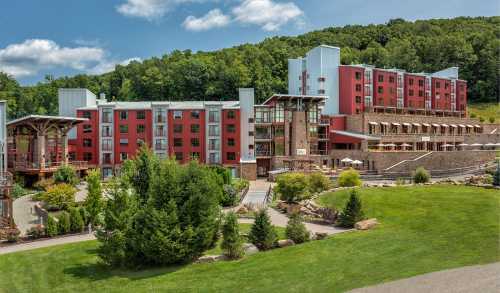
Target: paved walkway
[
  {"x": 256, "y": 195},
  {"x": 482, "y": 278},
  {"x": 46, "y": 243},
  {"x": 24, "y": 213}
]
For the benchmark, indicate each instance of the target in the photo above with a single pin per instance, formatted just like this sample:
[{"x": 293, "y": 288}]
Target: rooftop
[{"x": 171, "y": 105}]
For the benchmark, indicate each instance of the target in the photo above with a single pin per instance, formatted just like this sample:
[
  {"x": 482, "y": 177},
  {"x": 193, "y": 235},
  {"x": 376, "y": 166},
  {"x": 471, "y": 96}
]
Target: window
[
  {"x": 438, "y": 84},
  {"x": 179, "y": 156},
  {"x": 321, "y": 92},
  {"x": 123, "y": 156},
  {"x": 231, "y": 156},
  {"x": 140, "y": 142},
  {"x": 262, "y": 115},
  {"x": 177, "y": 128},
  {"x": 160, "y": 115},
  {"x": 213, "y": 144},
  {"x": 177, "y": 114},
  {"x": 106, "y": 158},
  {"x": 141, "y": 128},
  {"x": 279, "y": 131},
  {"x": 86, "y": 114},
  {"x": 391, "y": 79},
  {"x": 250, "y": 120},
  {"x": 123, "y": 141},
  {"x": 195, "y": 114},
  {"x": 357, "y": 75},
  {"x": 107, "y": 145},
  {"x": 380, "y": 78},
  {"x": 87, "y": 157},
  {"x": 123, "y": 128},
  {"x": 195, "y": 142},
  {"x": 160, "y": 131},
  {"x": 446, "y": 85},
  {"x": 421, "y": 82},
  {"x": 380, "y": 90},
  {"x": 279, "y": 113},
  {"x": 87, "y": 128},
  {"x": 107, "y": 172},
  {"x": 321, "y": 79},
  {"x": 213, "y": 116},
  {"x": 358, "y": 100},
  {"x": 358, "y": 87},
  {"x": 230, "y": 142},
  {"x": 213, "y": 130},
  {"x": 231, "y": 128},
  {"x": 231, "y": 114},
  {"x": 87, "y": 142},
  {"x": 195, "y": 128},
  {"x": 140, "y": 115},
  {"x": 213, "y": 158},
  {"x": 123, "y": 115},
  {"x": 410, "y": 81},
  {"x": 195, "y": 155},
  {"x": 420, "y": 93},
  {"x": 177, "y": 142},
  {"x": 160, "y": 144},
  {"x": 107, "y": 115},
  {"x": 410, "y": 93},
  {"x": 250, "y": 133}
]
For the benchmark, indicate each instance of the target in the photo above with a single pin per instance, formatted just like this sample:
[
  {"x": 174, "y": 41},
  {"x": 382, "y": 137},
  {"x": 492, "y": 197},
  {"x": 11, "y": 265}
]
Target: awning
[
  {"x": 390, "y": 145},
  {"x": 406, "y": 124},
  {"x": 461, "y": 125},
  {"x": 476, "y": 144},
  {"x": 477, "y": 126},
  {"x": 405, "y": 145},
  {"x": 356, "y": 162},
  {"x": 346, "y": 160},
  {"x": 470, "y": 126},
  {"x": 446, "y": 145},
  {"x": 426, "y": 124},
  {"x": 416, "y": 124},
  {"x": 435, "y": 125},
  {"x": 373, "y": 123},
  {"x": 490, "y": 144},
  {"x": 453, "y": 125},
  {"x": 395, "y": 124},
  {"x": 384, "y": 123},
  {"x": 463, "y": 144},
  {"x": 444, "y": 125}
]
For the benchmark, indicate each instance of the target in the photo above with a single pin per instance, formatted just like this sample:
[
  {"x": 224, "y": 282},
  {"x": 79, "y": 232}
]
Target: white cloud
[
  {"x": 267, "y": 14},
  {"x": 213, "y": 19},
  {"x": 35, "y": 55},
  {"x": 150, "y": 9}
]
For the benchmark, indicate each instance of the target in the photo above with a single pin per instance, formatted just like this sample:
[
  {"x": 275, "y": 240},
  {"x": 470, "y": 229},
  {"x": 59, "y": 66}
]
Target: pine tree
[
  {"x": 262, "y": 233},
  {"x": 64, "y": 225},
  {"x": 231, "y": 240},
  {"x": 76, "y": 221},
  {"x": 51, "y": 228},
  {"x": 94, "y": 202},
  {"x": 296, "y": 230},
  {"x": 352, "y": 212},
  {"x": 496, "y": 175}
]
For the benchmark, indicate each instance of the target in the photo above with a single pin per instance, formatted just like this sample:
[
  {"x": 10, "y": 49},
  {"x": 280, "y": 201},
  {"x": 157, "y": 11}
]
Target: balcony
[
  {"x": 262, "y": 153},
  {"x": 322, "y": 136}
]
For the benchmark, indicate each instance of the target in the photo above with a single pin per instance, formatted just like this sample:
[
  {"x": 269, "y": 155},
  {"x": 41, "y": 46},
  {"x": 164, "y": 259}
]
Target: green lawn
[
  {"x": 486, "y": 110},
  {"x": 422, "y": 229}
]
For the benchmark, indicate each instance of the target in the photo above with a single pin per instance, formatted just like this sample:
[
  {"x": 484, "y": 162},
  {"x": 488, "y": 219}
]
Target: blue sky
[{"x": 67, "y": 37}]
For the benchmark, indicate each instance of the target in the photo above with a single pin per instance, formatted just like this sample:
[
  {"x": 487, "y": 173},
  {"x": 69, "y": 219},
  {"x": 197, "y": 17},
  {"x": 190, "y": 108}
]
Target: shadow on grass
[{"x": 99, "y": 271}]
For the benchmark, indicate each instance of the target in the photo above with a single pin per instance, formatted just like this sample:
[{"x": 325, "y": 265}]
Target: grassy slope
[
  {"x": 486, "y": 110},
  {"x": 423, "y": 229}
]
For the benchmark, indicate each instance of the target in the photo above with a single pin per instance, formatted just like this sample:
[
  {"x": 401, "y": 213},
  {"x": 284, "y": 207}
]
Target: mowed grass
[
  {"x": 486, "y": 110},
  {"x": 423, "y": 229}
]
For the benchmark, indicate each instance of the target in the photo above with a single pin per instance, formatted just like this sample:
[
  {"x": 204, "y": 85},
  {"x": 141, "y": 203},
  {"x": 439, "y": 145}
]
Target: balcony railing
[
  {"x": 263, "y": 153},
  {"x": 262, "y": 136},
  {"x": 319, "y": 152},
  {"x": 50, "y": 166}
]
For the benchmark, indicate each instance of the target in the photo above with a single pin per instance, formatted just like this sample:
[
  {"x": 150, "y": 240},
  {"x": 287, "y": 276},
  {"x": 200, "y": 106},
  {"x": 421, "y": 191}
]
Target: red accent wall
[
  {"x": 336, "y": 123},
  {"x": 226, "y": 135},
  {"x": 388, "y": 97},
  {"x": 93, "y": 136},
  {"x": 414, "y": 91},
  {"x": 132, "y": 135},
  {"x": 444, "y": 91},
  {"x": 461, "y": 95},
  {"x": 348, "y": 92},
  {"x": 186, "y": 149}
]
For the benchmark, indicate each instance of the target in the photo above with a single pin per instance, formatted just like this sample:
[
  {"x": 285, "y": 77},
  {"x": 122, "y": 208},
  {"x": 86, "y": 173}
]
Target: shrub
[
  {"x": 224, "y": 173},
  {"x": 296, "y": 230},
  {"x": 349, "y": 178},
  {"x": 352, "y": 212},
  {"x": 496, "y": 176},
  {"x": 291, "y": 187},
  {"x": 13, "y": 235},
  {"x": 492, "y": 119},
  {"x": 93, "y": 203},
  {"x": 318, "y": 182},
  {"x": 65, "y": 174},
  {"x": 18, "y": 191},
  {"x": 240, "y": 184},
  {"x": 112, "y": 248},
  {"x": 400, "y": 181},
  {"x": 473, "y": 115},
  {"x": 84, "y": 215},
  {"x": 481, "y": 119},
  {"x": 229, "y": 196},
  {"x": 262, "y": 234},
  {"x": 231, "y": 239},
  {"x": 64, "y": 224},
  {"x": 44, "y": 184},
  {"x": 51, "y": 229},
  {"x": 60, "y": 196},
  {"x": 76, "y": 221},
  {"x": 36, "y": 232},
  {"x": 421, "y": 175}
]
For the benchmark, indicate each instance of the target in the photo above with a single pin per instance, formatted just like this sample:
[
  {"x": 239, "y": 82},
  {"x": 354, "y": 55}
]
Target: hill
[{"x": 428, "y": 45}]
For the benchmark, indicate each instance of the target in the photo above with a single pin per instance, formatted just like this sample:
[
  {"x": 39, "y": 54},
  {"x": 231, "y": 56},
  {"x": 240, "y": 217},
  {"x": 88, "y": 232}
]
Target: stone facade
[{"x": 248, "y": 171}]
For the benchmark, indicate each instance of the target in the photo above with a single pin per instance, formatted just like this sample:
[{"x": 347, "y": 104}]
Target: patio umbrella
[
  {"x": 405, "y": 145},
  {"x": 497, "y": 144},
  {"x": 346, "y": 160},
  {"x": 463, "y": 144},
  {"x": 490, "y": 144},
  {"x": 476, "y": 144},
  {"x": 446, "y": 145},
  {"x": 390, "y": 145},
  {"x": 356, "y": 162},
  {"x": 381, "y": 145}
]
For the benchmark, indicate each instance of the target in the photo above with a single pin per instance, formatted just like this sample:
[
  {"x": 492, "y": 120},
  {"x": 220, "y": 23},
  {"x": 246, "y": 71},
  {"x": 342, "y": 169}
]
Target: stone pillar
[
  {"x": 299, "y": 133},
  {"x": 65, "y": 153},
  {"x": 41, "y": 149}
]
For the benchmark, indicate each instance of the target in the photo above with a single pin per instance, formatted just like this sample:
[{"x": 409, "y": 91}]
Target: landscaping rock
[
  {"x": 211, "y": 258},
  {"x": 320, "y": 235},
  {"x": 242, "y": 210},
  {"x": 285, "y": 243},
  {"x": 293, "y": 208},
  {"x": 283, "y": 206},
  {"x": 366, "y": 224},
  {"x": 250, "y": 249}
]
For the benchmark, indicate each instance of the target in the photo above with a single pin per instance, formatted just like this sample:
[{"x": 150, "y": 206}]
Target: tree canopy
[{"x": 473, "y": 44}]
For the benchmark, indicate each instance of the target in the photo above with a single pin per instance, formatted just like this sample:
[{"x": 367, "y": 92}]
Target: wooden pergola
[{"x": 39, "y": 144}]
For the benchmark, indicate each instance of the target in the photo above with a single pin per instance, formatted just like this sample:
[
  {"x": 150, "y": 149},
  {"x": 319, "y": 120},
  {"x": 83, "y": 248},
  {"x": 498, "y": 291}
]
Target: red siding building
[
  {"x": 351, "y": 89},
  {"x": 384, "y": 88},
  {"x": 414, "y": 91}
]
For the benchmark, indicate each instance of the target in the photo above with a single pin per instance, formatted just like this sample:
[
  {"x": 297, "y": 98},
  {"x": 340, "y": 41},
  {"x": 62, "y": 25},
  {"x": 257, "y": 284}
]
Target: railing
[
  {"x": 263, "y": 153},
  {"x": 20, "y": 166},
  {"x": 319, "y": 152},
  {"x": 263, "y": 120},
  {"x": 322, "y": 136},
  {"x": 6, "y": 178},
  {"x": 262, "y": 136}
]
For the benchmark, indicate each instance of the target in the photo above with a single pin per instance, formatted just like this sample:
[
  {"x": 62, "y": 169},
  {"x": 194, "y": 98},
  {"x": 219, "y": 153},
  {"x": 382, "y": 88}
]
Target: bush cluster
[
  {"x": 421, "y": 176},
  {"x": 296, "y": 230},
  {"x": 349, "y": 178},
  {"x": 263, "y": 234},
  {"x": 65, "y": 174},
  {"x": 59, "y": 196},
  {"x": 293, "y": 187}
]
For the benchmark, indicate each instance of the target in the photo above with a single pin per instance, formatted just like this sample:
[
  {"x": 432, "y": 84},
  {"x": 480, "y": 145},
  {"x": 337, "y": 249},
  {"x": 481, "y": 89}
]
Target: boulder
[
  {"x": 366, "y": 224},
  {"x": 207, "y": 259},
  {"x": 250, "y": 249},
  {"x": 320, "y": 235},
  {"x": 293, "y": 208},
  {"x": 283, "y": 206},
  {"x": 285, "y": 243},
  {"x": 242, "y": 210}
]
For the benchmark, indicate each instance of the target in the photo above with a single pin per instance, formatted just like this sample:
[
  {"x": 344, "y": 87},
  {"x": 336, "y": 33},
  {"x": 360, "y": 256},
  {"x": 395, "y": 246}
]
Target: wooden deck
[{"x": 34, "y": 168}]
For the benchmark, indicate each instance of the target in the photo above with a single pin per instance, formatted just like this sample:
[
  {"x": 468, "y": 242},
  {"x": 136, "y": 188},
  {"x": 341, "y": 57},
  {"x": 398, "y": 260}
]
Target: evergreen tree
[
  {"x": 352, "y": 212},
  {"x": 64, "y": 225},
  {"x": 231, "y": 239},
  {"x": 262, "y": 234},
  {"x": 296, "y": 230},
  {"x": 76, "y": 221},
  {"x": 51, "y": 228},
  {"x": 496, "y": 175},
  {"x": 93, "y": 202}
]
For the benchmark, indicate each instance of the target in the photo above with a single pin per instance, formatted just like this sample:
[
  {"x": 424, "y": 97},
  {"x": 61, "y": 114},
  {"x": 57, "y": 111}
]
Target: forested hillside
[{"x": 473, "y": 44}]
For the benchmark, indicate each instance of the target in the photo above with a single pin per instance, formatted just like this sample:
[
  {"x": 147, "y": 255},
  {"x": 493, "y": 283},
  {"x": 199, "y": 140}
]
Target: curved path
[
  {"x": 24, "y": 213},
  {"x": 481, "y": 278}
]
